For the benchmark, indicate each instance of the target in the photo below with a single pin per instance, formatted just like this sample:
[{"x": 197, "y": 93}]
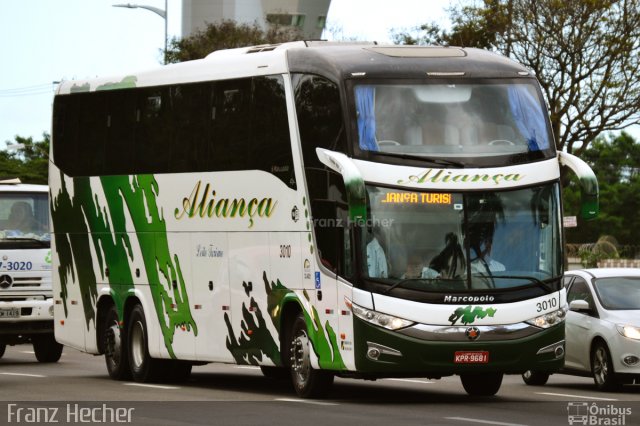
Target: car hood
[{"x": 631, "y": 317}]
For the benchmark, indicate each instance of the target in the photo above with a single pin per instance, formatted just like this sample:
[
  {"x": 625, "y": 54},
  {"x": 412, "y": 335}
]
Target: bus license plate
[
  {"x": 10, "y": 313},
  {"x": 475, "y": 357}
]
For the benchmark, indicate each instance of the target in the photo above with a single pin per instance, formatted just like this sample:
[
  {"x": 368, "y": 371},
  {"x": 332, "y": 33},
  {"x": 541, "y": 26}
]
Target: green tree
[
  {"x": 29, "y": 162},
  {"x": 616, "y": 161},
  {"x": 227, "y": 34},
  {"x": 585, "y": 54}
]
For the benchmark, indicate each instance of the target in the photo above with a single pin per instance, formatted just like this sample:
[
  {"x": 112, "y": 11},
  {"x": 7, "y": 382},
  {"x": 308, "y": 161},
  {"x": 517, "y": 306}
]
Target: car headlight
[
  {"x": 378, "y": 318},
  {"x": 550, "y": 319},
  {"x": 629, "y": 331}
]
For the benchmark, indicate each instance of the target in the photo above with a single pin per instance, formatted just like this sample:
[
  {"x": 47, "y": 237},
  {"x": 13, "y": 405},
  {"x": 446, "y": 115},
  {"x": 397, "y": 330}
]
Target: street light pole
[{"x": 157, "y": 11}]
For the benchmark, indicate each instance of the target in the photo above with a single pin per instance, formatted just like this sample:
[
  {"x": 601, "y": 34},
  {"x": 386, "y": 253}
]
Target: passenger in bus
[
  {"x": 376, "y": 259},
  {"x": 416, "y": 269},
  {"x": 450, "y": 262},
  {"x": 483, "y": 263}
]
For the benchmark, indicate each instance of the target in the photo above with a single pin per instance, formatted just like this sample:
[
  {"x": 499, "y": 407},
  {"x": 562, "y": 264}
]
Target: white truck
[{"x": 26, "y": 298}]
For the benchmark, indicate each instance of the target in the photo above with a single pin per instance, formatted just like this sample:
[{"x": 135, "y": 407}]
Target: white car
[{"x": 602, "y": 327}]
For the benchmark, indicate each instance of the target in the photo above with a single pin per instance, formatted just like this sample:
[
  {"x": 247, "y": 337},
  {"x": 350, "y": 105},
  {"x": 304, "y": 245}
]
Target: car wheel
[
  {"x": 602, "y": 368},
  {"x": 535, "y": 378},
  {"x": 484, "y": 384},
  {"x": 307, "y": 382}
]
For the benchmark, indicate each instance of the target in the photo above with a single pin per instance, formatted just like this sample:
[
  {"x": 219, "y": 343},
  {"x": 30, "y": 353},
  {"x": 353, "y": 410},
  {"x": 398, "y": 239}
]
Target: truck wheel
[
  {"x": 2, "y": 348},
  {"x": 143, "y": 367},
  {"x": 484, "y": 384},
  {"x": 307, "y": 382},
  {"x": 535, "y": 378},
  {"x": 115, "y": 348},
  {"x": 46, "y": 348}
]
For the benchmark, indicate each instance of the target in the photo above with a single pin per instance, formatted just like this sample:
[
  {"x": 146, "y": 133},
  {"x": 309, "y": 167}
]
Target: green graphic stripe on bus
[
  {"x": 445, "y": 176},
  {"x": 113, "y": 247},
  {"x": 74, "y": 248},
  {"x": 166, "y": 282},
  {"x": 469, "y": 314},
  {"x": 324, "y": 344}
]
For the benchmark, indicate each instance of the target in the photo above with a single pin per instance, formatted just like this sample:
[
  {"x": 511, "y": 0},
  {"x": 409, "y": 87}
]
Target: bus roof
[
  {"x": 22, "y": 187},
  {"x": 336, "y": 60}
]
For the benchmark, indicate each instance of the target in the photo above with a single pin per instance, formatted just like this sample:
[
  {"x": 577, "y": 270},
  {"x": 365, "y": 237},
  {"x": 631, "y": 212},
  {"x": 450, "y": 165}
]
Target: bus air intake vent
[{"x": 263, "y": 48}]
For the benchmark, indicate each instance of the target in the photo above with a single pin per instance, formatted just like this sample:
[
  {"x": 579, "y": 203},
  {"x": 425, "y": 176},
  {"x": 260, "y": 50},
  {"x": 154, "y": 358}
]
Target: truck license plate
[
  {"x": 9, "y": 313},
  {"x": 471, "y": 357}
]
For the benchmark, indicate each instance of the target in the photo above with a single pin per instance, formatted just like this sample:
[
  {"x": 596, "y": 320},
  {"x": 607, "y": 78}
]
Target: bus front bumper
[{"x": 380, "y": 352}]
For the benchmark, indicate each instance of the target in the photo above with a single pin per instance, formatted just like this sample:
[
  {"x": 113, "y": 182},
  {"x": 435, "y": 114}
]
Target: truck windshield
[
  {"x": 452, "y": 119},
  {"x": 462, "y": 241},
  {"x": 24, "y": 218}
]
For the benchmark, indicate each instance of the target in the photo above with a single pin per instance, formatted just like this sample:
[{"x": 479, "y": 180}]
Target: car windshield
[
  {"x": 452, "y": 119},
  {"x": 24, "y": 217},
  {"x": 466, "y": 241},
  {"x": 619, "y": 293}
]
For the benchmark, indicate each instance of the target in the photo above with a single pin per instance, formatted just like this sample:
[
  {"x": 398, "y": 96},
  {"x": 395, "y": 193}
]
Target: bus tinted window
[{"x": 237, "y": 124}]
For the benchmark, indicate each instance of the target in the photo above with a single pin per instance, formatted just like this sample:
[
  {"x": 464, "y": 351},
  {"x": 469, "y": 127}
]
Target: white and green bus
[{"x": 315, "y": 209}]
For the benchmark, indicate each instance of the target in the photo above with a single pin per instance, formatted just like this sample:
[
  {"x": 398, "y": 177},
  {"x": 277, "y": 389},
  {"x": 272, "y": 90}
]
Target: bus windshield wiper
[
  {"x": 436, "y": 161},
  {"x": 405, "y": 280},
  {"x": 541, "y": 283}
]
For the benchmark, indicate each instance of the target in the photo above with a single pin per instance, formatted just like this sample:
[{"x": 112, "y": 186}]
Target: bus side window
[
  {"x": 231, "y": 126},
  {"x": 119, "y": 146},
  {"x": 93, "y": 132},
  {"x": 270, "y": 129},
  {"x": 65, "y": 133},
  {"x": 152, "y": 131}
]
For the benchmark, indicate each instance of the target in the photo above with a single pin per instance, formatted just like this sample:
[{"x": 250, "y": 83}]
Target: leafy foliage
[
  {"x": 227, "y": 34},
  {"x": 586, "y": 55},
  {"x": 29, "y": 162},
  {"x": 616, "y": 162}
]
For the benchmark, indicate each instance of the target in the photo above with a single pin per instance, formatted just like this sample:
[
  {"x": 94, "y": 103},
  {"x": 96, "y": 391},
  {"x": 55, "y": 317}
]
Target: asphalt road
[{"x": 77, "y": 390}]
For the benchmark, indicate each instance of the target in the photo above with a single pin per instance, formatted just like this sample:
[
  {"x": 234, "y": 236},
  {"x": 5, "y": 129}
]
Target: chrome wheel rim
[
  {"x": 600, "y": 365},
  {"x": 137, "y": 344},
  {"x": 527, "y": 374},
  {"x": 300, "y": 360}
]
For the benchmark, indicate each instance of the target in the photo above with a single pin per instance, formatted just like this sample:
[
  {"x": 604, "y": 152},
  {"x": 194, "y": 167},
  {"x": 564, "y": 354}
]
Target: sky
[{"x": 44, "y": 41}]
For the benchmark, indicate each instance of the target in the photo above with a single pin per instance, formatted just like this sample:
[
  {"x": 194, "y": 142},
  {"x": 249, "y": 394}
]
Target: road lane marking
[
  {"x": 248, "y": 367},
  {"x": 304, "y": 401},
  {"x": 576, "y": 396},
  {"x": 28, "y": 352},
  {"x": 411, "y": 381},
  {"x": 23, "y": 374},
  {"x": 487, "y": 422},
  {"x": 142, "y": 385}
]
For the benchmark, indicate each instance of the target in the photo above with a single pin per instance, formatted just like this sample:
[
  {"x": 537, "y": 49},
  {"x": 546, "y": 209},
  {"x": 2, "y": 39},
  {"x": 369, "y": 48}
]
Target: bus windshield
[
  {"x": 462, "y": 241},
  {"x": 452, "y": 119},
  {"x": 24, "y": 218}
]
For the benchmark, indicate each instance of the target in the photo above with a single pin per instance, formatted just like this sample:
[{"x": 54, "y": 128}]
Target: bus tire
[
  {"x": 115, "y": 347},
  {"x": 2, "y": 349},
  {"x": 535, "y": 378},
  {"x": 46, "y": 348},
  {"x": 307, "y": 382},
  {"x": 143, "y": 367},
  {"x": 484, "y": 384}
]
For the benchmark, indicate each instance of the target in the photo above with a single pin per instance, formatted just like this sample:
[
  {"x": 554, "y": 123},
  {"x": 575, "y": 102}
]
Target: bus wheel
[
  {"x": 46, "y": 348},
  {"x": 535, "y": 378},
  {"x": 307, "y": 382},
  {"x": 602, "y": 368},
  {"x": 2, "y": 348},
  {"x": 143, "y": 367},
  {"x": 484, "y": 384},
  {"x": 115, "y": 348}
]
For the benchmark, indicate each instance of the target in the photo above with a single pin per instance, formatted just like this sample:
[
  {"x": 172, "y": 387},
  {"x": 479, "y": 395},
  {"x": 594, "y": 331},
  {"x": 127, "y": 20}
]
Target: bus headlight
[
  {"x": 378, "y": 318},
  {"x": 629, "y": 331},
  {"x": 550, "y": 319}
]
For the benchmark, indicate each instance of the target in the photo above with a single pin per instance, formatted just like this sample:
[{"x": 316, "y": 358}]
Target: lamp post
[{"x": 157, "y": 11}]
